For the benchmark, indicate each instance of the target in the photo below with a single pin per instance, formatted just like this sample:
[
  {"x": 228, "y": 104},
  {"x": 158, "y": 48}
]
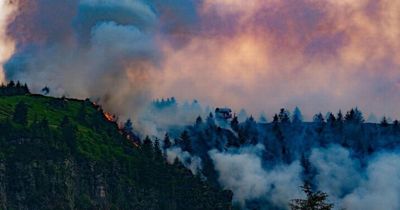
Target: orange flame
[{"x": 109, "y": 117}]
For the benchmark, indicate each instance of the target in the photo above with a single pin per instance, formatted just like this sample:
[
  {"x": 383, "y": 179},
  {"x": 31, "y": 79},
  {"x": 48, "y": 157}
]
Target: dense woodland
[
  {"x": 285, "y": 139},
  {"x": 59, "y": 153},
  {"x": 64, "y": 154}
]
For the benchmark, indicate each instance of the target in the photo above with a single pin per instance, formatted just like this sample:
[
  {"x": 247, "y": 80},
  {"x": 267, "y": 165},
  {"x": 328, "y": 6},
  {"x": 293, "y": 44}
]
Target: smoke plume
[
  {"x": 261, "y": 55},
  {"x": 348, "y": 184},
  {"x": 6, "y": 43}
]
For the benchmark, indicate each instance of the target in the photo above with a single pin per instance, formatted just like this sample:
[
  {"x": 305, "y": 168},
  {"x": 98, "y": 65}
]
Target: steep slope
[{"x": 65, "y": 154}]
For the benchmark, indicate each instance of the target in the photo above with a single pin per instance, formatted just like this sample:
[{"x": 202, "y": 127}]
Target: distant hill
[{"x": 58, "y": 153}]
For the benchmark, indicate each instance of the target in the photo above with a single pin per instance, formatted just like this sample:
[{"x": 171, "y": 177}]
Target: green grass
[
  {"x": 39, "y": 106},
  {"x": 91, "y": 143}
]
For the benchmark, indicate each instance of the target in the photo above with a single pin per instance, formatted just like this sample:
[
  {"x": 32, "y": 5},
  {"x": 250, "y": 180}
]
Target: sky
[{"x": 320, "y": 55}]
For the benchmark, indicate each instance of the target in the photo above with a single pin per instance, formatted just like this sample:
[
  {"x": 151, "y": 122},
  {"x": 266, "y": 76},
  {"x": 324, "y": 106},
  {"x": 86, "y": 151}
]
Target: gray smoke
[
  {"x": 106, "y": 50},
  {"x": 348, "y": 184},
  {"x": 242, "y": 172}
]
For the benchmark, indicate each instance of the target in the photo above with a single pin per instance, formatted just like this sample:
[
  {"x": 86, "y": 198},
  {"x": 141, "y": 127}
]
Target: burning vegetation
[{"x": 109, "y": 116}]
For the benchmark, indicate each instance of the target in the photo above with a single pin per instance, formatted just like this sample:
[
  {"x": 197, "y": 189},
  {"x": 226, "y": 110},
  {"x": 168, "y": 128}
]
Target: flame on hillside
[{"x": 109, "y": 117}]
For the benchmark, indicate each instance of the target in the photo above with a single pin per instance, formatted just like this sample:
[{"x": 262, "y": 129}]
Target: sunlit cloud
[{"x": 6, "y": 43}]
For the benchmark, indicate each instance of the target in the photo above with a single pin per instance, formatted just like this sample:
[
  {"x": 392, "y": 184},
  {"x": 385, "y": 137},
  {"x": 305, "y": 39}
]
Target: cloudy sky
[{"x": 320, "y": 55}]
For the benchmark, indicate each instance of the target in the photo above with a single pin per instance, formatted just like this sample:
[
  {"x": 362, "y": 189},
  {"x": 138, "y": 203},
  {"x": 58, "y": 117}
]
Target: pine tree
[
  {"x": 339, "y": 118},
  {"x": 384, "y": 122},
  {"x": 354, "y": 116},
  {"x": 21, "y": 113},
  {"x": 319, "y": 119},
  {"x": 396, "y": 126},
  {"x": 275, "y": 119},
  {"x": 235, "y": 124},
  {"x": 186, "y": 143},
  {"x": 128, "y": 127},
  {"x": 331, "y": 119},
  {"x": 68, "y": 133},
  {"x": 199, "y": 121},
  {"x": 211, "y": 120},
  {"x": 167, "y": 142},
  {"x": 314, "y": 200},
  {"x": 81, "y": 117},
  {"x": 284, "y": 116},
  {"x": 307, "y": 169},
  {"x": 297, "y": 116},
  {"x": 148, "y": 147},
  {"x": 157, "y": 150}
]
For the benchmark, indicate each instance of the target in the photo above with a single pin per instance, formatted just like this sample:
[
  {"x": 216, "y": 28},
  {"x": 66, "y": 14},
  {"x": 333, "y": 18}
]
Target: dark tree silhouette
[
  {"x": 354, "y": 116},
  {"x": 339, "y": 118},
  {"x": 167, "y": 142},
  {"x": 275, "y": 119},
  {"x": 235, "y": 124},
  {"x": 157, "y": 150},
  {"x": 69, "y": 133},
  {"x": 199, "y": 121},
  {"x": 297, "y": 117},
  {"x": 331, "y": 119},
  {"x": 313, "y": 201},
  {"x": 284, "y": 116},
  {"x": 186, "y": 143},
  {"x": 45, "y": 90},
  {"x": 148, "y": 147},
  {"x": 384, "y": 122},
  {"x": 128, "y": 127},
  {"x": 81, "y": 117},
  {"x": 21, "y": 113}
]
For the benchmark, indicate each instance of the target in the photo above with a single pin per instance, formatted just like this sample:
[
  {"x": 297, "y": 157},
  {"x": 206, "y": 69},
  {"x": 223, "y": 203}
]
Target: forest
[
  {"x": 334, "y": 153},
  {"x": 59, "y": 153}
]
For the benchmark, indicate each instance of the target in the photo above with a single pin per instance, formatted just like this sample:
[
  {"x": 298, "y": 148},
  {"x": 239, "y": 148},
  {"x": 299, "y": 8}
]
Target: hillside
[{"x": 65, "y": 154}]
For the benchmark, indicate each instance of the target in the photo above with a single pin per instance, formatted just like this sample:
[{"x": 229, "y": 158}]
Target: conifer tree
[
  {"x": 384, "y": 122},
  {"x": 297, "y": 117},
  {"x": 157, "y": 150},
  {"x": 21, "y": 113},
  {"x": 68, "y": 133},
  {"x": 148, "y": 147},
  {"x": 235, "y": 124},
  {"x": 186, "y": 143},
  {"x": 313, "y": 201},
  {"x": 284, "y": 116},
  {"x": 167, "y": 142}
]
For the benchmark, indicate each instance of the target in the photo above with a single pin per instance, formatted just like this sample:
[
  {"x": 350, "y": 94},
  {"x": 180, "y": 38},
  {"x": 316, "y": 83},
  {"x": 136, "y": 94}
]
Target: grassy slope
[
  {"x": 91, "y": 142},
  {"x": 98, "y": 142}
]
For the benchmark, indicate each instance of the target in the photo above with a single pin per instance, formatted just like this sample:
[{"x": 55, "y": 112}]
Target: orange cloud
[
  {"x": 262, "y": 55},
  {"x": 7, "y": 46}
]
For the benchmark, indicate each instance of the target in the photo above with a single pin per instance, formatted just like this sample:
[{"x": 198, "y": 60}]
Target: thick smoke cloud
[
  {"x": 380, "y": 187},
  {"x": 191, "y": 162},
  {"x": 348, "y": 184},
  {"x": 105, "y": 50},
  {"x": 6, "y": 43},
  {"x": 261, "y": 55},
  {"x": 337, "y": 173},
  {"x": 243, "y": 173},
  {"x": 375, "y": 186}
]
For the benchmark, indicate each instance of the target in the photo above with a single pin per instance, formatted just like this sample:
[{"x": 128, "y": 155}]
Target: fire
[
  {"x": 109, "y": 117},
  {"x": 136, "y": 145}
]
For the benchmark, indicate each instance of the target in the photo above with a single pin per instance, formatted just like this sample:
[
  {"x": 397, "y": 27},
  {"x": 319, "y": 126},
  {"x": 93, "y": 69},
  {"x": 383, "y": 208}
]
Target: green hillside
[{"x": 64, "y": 154}]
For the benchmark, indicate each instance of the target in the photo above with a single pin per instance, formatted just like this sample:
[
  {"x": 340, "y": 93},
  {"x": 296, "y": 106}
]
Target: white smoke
[
  {"x": 348, "y": 184},
  {"x": 243, "y": 173},
  {"x": 191, "y": 162},
  {"x": 380, "y": 187}
]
